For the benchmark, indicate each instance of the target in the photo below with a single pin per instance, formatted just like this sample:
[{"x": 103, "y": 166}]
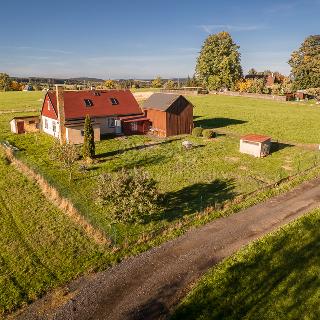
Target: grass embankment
[
  {"x": 40, "y": 247},
  {"x": 276, "y": 277},
  {"x": 287, "y": 121}
]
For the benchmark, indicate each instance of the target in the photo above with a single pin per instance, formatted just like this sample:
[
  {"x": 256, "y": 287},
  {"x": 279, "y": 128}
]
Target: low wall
[
  {"x": 182, "y": 92},
  {"x": 250, "y": 95}
]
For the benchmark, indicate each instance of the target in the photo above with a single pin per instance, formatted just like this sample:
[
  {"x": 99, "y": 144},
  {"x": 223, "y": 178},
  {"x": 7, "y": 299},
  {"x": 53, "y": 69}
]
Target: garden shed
[
  {"x": 255, "y": 145},
  {"x": 25, "y": 124},
  {"x": 169, "y": 114}
]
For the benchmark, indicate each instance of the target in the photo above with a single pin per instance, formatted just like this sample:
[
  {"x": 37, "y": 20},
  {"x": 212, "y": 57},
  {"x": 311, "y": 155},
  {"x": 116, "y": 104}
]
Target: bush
[
  {"x": 208, "y": 134},
  {"x": 129, "y": 195},
  {"x": 197, "y": 132}
]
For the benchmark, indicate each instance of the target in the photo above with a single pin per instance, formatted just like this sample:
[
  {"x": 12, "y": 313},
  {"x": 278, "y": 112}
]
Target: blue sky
[{"x": 142, "y": 39}]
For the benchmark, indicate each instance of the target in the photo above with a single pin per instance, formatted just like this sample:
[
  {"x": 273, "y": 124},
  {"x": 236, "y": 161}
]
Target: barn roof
[
  {"x": 101, "y": 100},
  {"x": 255, "y": 138},
  {"x": 161, "y": 101}
]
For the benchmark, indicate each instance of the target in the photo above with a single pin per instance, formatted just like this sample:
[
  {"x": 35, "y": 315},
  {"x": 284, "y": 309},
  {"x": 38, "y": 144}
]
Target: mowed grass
[
  {"x": 210, "y": 175},
  {"x": 274, "y": 278},
  {"x": 193, "y": 181},
  {"x": 284, "y": 121},
  {"x": 40, "y": 247},
  {"x": 21, "y": 100}
]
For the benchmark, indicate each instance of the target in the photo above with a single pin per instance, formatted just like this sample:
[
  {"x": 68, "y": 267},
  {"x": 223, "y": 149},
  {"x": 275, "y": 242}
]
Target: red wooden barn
[{"x": 169, "y": 114}]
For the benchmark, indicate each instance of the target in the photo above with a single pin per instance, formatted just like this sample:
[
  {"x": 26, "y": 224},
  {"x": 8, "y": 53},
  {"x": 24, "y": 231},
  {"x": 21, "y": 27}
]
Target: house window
[
  {"x": 49, "y": 105},
  {"x": 31, "y": 122},
  {"x": 114, "y": 101},
  {"x": 46, "y": 123},
  {"x": 97, "y": 93},
  {"x": 54, "y": 127},
  {"x": 134, "y": 126},
  {"x": 111, "y": 122},
  {"x": 88, "y": 103},
  {"x": 82, "y": 133}
]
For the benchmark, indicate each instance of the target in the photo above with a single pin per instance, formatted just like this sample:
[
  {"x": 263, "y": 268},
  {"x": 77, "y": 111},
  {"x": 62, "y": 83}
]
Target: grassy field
[
  {"x": 40, "y": 247},
  {"x": 21, "y": 101},
  {"x": 275, "y": 278},
  {"x": 196, "y": 183},
  {"x": 286, "y": 121}
]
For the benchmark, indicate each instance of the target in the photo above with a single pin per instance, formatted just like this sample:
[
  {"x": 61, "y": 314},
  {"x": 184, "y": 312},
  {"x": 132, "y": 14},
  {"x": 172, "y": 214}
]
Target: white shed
[{"x": 255, "y": 145}]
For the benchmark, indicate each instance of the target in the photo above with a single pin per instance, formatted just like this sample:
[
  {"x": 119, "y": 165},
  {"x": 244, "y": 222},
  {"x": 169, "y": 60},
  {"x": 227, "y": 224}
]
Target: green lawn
[
  {"x": 286, "y": 121},
  {"x": 275, "y": 278},
  {"x": 212, "y": 173},
  {"x": 21, "y": 100},
  {"x": 40, "y": 247},
  {"x": 196, "y": 183}
]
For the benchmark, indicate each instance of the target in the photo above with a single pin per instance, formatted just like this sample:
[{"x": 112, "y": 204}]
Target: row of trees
[
  {"x": 7, "y": 84},
  {"x": 218, "y": 66}
]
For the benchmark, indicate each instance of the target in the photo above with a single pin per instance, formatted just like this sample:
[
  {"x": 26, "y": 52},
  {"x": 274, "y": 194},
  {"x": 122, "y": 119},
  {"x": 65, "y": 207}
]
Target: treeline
[{"x": 218, "y": 68}]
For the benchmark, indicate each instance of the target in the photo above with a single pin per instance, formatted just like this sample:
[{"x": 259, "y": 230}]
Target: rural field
[
  {"x": 276, "y": 277},
  {"x": 198, "y": 185},
  {"x": 40, "y": 247}
]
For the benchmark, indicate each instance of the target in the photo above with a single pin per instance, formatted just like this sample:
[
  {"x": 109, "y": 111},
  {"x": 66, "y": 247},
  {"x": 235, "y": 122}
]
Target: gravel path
[{"x": 148, "y": 286}]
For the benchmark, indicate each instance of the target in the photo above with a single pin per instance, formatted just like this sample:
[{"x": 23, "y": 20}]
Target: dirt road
[{"x": 150, "y": 285}]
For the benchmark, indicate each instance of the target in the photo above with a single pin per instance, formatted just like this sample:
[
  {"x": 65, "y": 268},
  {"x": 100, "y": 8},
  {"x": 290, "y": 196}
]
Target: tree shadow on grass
[
  {"x": 217, "y": 122},
  {"x": 195, "y": 198},
  {"x": 274, "y": 271}
]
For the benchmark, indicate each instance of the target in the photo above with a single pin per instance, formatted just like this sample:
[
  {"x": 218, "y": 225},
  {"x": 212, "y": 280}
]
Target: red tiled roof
[
  {"x": 255, "y": 138},
  {"x": 74, "y": 106}
]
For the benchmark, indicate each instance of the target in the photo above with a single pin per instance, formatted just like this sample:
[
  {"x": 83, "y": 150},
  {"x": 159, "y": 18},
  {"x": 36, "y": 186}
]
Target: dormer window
[
  {"x": 114, "y": 101},
  {"x": 88, "y": 103},
  {"x": 97, "y": 93}
]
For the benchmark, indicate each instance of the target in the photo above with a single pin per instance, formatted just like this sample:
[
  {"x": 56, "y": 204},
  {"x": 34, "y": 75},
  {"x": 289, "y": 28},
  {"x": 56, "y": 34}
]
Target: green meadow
[
  {"x": 276, "y": 277},
  {"x": 199, "y": 185}
]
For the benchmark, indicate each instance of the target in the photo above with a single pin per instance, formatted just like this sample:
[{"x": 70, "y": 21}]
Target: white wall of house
[
  {"x": 50, "y": 126},
  {"x": 13, "y": 126},
  {"x": 107, "y": 125}
]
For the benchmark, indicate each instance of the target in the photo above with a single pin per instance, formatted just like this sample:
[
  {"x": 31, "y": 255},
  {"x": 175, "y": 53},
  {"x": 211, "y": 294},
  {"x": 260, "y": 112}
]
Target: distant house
[
  {"x": 169, "y": 114},
  {"x": 111, "y": 112},
  {"x": 25, "y": 124},
  {"x": 28, "y": 87},
  {"x": 255, "y": 145}
]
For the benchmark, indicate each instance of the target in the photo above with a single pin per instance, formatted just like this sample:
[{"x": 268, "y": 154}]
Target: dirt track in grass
[{"x": 148, "y": 286}]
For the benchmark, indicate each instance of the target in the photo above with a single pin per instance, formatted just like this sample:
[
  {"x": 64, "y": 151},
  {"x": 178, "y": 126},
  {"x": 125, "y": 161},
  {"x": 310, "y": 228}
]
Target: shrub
[
  {"x": 197, "y": 131},
  {"x": 129, "y": 195},
  {"x": 208, "y": 134}
]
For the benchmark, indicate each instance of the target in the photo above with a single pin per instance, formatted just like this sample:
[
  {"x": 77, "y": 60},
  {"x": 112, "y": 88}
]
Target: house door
[{"x": 20, "y": 127}]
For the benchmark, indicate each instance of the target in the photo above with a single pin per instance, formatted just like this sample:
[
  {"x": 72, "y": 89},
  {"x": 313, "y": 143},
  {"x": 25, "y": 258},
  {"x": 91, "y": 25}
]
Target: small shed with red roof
[
  {"x": 255, "y": 145},
  {"x": 111, "y": 112}
]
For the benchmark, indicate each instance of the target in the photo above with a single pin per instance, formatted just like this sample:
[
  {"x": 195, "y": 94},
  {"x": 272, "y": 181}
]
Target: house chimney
[{"x": 61, "y": 116}]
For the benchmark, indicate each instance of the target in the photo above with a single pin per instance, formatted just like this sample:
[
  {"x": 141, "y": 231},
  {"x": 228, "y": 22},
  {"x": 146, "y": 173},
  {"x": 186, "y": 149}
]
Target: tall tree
[
  {"x": 252, "y": 71},
  {"x": 305, "y": 64},
  {"x": 157, "y": 82},
  {"x": 88, "y": 148},
  {"x": 218, "y": 64},
  {"x": 5, "y": 82}
]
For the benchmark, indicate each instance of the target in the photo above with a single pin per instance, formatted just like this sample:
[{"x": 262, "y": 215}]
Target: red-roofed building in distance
[{"x": 111, "y": 111}]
